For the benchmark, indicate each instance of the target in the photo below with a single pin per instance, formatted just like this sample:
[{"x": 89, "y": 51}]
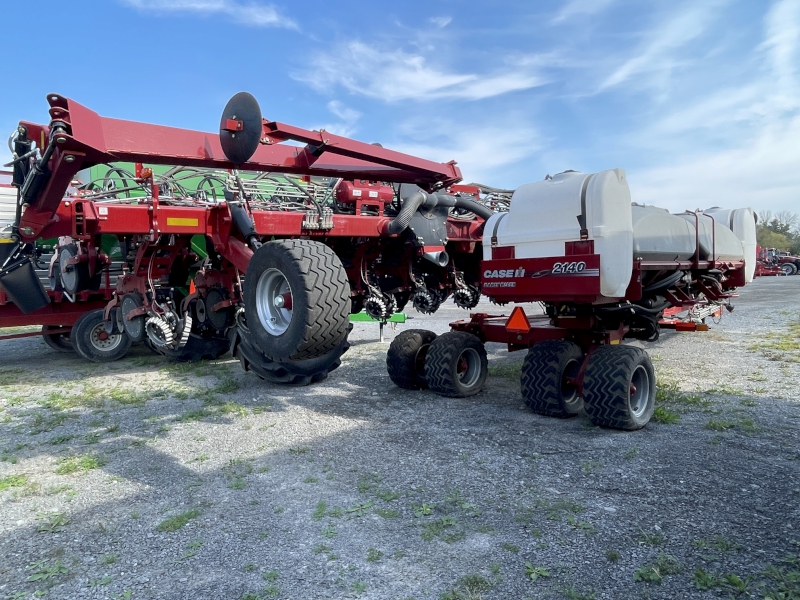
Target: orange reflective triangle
[
  {"x": 518, "y": 321},
  {"x": 192, "y": 289}
]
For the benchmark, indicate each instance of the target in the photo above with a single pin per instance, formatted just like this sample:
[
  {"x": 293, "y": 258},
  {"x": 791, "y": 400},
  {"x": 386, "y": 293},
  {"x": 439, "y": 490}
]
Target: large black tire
[
  {"x": 545, "y": 370},
  {"x": 312, "y": 276},
  {"x": 90, "y": 340},
  {"x": 619, "y": 387},
  {"x": 196, "y": 348},
  {"x": 788, "y": 268},
  {"x": 405, "y": 360},
  {"x": 456, "y": 365},
  {"x": 57, "y": 341},
  {"x": 289, "y": 372}
]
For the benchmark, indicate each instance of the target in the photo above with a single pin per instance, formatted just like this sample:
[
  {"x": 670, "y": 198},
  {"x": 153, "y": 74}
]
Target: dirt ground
[{"x": 152, "y": 479}]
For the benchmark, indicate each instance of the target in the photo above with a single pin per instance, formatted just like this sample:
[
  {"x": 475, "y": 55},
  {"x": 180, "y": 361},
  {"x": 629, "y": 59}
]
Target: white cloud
[
  {"x": 441, "y": 22},
  {"x": 762, "y": 174},
  {"x": 579, "y": 7},
  {"x": 761, "y": 121},
  {"x": 781, "y": 44},
  {"x": 348, "y": 118},
  {"x": 657, "y": 59},
  {"x": 398, "y": 75},
  {"x": 482, "y": 151},
  {"x": 252, "y": 14}
]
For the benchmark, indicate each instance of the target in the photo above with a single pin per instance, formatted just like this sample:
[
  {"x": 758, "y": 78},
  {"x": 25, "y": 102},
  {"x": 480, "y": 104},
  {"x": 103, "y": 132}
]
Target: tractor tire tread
[
  {"x": 606, "y": 385},
  {"x": 440, "y": 367},
  {"x": 402, "y": 357},
  {"x": 540, "y": 390},
  {"x": 294, "y": 373},
  {"x": 327, "y": 288}
]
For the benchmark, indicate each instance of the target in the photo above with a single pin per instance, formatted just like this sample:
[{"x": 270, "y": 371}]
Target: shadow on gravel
[{"x": 354, "y": 487}]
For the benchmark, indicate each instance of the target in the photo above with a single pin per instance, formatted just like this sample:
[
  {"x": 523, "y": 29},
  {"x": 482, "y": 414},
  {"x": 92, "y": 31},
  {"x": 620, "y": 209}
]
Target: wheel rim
[
  {"x": 274, "y": 301},
  {"x": 786, "y": 269},
  {"x": 569, "y": 392},
  {"x": 639, "y": 392},
  {"x": 468, "y": 367},
  {"x": 101, "y": 340}
]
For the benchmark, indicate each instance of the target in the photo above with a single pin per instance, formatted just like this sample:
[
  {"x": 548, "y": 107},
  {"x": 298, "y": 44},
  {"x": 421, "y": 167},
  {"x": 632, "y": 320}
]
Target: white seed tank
[{"x": 546, "y": 214}]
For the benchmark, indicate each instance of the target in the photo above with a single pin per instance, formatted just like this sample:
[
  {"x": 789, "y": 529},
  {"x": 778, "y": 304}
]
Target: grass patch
[
  {"x": 784, "y": 345},
  {"x": 469, "y": 587},
  {"x": 178, "y": 521},
  {"x": 442, "y": 528},
  {"x": 12, "y": 481},
  {"x": 744, "y": 424},
  {"x": 74, "y": 464},
  {"x": 320, "y": 511},
  {"x": 506, "y": 371},
  {"x": 662, "y": 415},
  {"x": 655, "y": 572}
]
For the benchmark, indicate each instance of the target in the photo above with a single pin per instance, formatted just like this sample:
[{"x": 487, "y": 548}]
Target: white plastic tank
[
  {"x": 8, "y": 200},
  {"x": 544, "y": 215},
  {"x": 742, "y": 221},
  {"x": 715, "y": 237},
  {"x": 658, "y": 235}
]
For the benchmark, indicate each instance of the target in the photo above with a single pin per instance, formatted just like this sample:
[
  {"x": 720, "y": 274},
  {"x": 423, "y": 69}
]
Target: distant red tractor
[{"x": 777, "y": 262}]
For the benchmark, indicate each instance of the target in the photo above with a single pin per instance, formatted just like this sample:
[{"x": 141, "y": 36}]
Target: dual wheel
[
  {"x": 619, "y": 384},
  {"x": 453, "y": 364}
]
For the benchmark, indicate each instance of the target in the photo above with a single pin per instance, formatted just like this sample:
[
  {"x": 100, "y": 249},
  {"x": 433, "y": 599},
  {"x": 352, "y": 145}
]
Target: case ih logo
[{"x": 503, "y": 273}]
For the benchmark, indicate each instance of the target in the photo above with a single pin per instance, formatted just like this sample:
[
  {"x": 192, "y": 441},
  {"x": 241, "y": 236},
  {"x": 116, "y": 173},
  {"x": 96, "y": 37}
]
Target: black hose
[
  {"x": 474, "y": 207},
  {"x": 407, "y": 211},
  {"x": 635, "y": 308},
  {"x": 664, "y": 283}
]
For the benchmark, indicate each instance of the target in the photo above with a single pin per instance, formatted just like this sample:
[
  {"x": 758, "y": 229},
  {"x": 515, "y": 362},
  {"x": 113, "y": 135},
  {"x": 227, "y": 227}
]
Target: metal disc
[
  {"x": 133, "y": 327},
  {"x": 239, "y": 146}
]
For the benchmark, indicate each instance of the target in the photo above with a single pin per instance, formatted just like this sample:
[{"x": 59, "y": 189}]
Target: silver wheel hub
[
  {"x": 102, "y": 340},
  {"x": 639, "y": 392},
  {"x": 468, "y": 367},
  {"x": 273, "y": 301}
]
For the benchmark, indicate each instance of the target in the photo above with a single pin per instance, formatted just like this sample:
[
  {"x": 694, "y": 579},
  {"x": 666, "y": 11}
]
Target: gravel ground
[{"x": 150, "y": 479}]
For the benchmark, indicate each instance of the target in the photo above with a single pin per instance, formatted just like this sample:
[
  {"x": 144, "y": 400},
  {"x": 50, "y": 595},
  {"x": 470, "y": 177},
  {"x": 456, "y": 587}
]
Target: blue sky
[{"x": 698, "y": 100}]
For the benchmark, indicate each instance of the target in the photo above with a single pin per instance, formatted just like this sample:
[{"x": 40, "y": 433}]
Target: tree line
[{"x": 779, "y": 230}]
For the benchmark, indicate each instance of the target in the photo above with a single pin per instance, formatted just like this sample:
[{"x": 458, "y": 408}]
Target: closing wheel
[
  {"x": 546, "y": 373},
  {"x": 788, "y": 268},
  {"x": 57, "y": 341},
  {"x": 196, "y": 348},
  {"x": 619, "y": 388},
  {"x": 456, "y": 365},
  {"x": 405, "y": 360},
  {"x": 90, "y": 340},
  {"x": 297, "y": 300},
  {"x": 74, "y": 278},
  {"x": 288, "y": 372}
]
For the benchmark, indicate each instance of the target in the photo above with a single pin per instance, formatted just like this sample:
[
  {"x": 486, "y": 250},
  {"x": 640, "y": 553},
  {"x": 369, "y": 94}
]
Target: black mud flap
[{"x": 20, "y": 282}]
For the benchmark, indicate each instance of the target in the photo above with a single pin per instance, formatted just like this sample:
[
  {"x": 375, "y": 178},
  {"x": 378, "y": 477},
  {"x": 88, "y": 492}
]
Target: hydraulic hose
[
  {"x": 410, "y": 206},
  {"x": 664, "y": 283},
  {"x": 474, "y": 207},
  {"x": 412, "y": 203}
]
